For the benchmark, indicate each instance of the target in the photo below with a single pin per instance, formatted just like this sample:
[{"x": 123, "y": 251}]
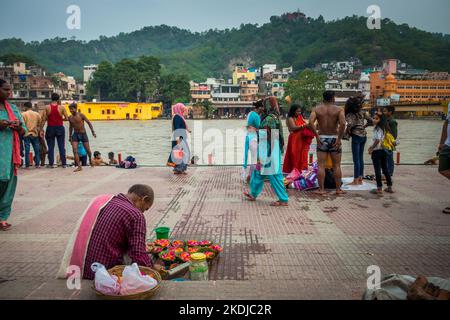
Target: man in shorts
[
  {"x": 77, "y": 134},
  {"x": 444, "y": 152},
  {"x": 329, "y": 132}
]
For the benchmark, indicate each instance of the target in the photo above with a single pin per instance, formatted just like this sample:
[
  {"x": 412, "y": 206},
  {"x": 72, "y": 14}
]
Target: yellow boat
[{"x": 119, "y": 110}]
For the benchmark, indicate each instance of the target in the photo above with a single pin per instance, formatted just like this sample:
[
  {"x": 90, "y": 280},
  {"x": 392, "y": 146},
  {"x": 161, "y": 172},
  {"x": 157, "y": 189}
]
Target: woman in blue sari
[
  {"x": 180, "y": 155},
  {"x": 270, "y": 148},
  {"x": 251, "y": 139}
]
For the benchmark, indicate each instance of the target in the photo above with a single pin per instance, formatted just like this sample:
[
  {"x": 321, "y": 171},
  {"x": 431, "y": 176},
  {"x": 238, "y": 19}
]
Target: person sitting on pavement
[{"x": 112, "y": 231}]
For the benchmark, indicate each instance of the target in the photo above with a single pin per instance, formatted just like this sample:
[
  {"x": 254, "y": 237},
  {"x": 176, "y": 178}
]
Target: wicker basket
[{"x": 117, "y": 271}]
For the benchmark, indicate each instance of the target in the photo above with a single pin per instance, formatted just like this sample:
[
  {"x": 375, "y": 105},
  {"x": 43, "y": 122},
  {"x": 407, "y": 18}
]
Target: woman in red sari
[{"x": 300, "y": 139}]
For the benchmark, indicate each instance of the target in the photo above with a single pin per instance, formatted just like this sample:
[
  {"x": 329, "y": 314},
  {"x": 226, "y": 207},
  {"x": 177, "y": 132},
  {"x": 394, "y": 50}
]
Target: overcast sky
[{"x": 42, "y": 19}]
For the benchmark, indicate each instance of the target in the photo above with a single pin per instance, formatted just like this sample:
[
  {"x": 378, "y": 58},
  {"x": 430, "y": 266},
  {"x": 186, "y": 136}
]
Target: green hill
[{"x": 301, "y": 42}]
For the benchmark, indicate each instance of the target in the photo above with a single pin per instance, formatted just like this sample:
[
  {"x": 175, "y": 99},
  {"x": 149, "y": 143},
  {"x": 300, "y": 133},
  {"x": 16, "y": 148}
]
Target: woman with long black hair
[
  {"x": 357, "y": 122},
  {"x": 299, "y": 141}
]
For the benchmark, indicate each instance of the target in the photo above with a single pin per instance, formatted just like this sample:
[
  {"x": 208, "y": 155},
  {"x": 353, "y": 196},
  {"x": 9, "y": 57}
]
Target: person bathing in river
[
  {"x": 77, "y": 134},
  {"x": 329, "y": 132},
  {"x": 112, "y": 160}
]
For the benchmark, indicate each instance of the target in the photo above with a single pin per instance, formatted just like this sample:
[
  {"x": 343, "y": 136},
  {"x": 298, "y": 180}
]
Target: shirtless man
[
  {"x": 77, "y": 134},
  {"x": 331, "y": 127}
]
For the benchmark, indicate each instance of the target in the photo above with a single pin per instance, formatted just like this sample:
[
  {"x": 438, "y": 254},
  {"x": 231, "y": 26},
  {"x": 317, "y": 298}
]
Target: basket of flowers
[
  {"x": 162, "y": 243},
  {"x": 210, "y": 254},
  {"x": 192, "y": 243},
  {"x": 177, "y": 243},
  {"x": 168, "y": 257},
  {"x": 204, "y": 243}
]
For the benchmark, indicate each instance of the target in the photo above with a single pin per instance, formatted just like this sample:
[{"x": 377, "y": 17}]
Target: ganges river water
[{"x": 149, "y": 141}]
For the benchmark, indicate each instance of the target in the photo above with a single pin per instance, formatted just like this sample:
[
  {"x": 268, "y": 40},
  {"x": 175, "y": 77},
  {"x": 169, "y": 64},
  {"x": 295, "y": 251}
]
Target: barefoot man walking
[
  {"x": 329, "y": 132},
  {"x": 77, "y": 134}
]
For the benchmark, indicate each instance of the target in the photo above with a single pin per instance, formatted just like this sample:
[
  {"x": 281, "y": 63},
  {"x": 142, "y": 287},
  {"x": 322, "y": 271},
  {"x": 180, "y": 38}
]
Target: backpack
[{"x": 388, "y": 142}]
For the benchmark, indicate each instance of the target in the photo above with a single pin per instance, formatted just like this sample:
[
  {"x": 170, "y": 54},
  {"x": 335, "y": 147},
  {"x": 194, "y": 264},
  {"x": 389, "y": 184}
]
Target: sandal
[
  {"x": 446, "y": 210},
  {"x": 389, "y": 190},
  {"x": 279, "y": 204},
  {"x": 5, "y": 227},
  {"x": 249, "y": 197}
]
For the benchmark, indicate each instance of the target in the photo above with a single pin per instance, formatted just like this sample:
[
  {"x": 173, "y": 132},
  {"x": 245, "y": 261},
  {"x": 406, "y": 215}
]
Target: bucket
[{"x": 162, "y": 233}]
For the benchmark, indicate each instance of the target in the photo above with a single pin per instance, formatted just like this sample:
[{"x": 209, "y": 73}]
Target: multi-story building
[
  {"x": 67, "y": 86},
  {"x": 226, "y": 93},
  {"x": 200, "y": 92},
  {"x": 88, "y": 71},
  {"x": 242, "y": 73},
  {"x": 41, "y": 87},
  {"x": 249, "y": 90},
  {"x": 412, "y": 90},
  {"x": 364, "y": 85},
  {"x": 6, "y": 73}
]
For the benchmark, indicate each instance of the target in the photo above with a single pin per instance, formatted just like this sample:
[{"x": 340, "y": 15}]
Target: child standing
[
  {"x": 379, "y": 154},
  {"x": 388, "y": 112}
]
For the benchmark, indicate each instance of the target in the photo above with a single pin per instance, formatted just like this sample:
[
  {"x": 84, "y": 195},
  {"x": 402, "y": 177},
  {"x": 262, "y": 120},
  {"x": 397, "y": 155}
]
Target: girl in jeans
[
  {"x": 357, "y": 122},
  {"x": 379, "y": 155}
]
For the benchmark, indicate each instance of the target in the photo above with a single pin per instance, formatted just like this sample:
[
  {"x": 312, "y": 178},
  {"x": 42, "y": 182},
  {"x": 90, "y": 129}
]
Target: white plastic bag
[
  {"x": 104, "y": 282},
  {"x": 134, "y": 282}
]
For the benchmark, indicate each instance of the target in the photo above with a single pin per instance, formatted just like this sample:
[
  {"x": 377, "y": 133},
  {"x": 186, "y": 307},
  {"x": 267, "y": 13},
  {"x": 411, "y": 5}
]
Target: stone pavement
[{"x": 314, "y": 249}]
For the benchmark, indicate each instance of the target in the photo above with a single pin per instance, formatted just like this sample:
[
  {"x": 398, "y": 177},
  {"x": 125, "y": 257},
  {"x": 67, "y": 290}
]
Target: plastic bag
[
  {"x": 134, "y": 282},
  {"x": 294, "y": 175},
  {"x": 104, "y": 282}
]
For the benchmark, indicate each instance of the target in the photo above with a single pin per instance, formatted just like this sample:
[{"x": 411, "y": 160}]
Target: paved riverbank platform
[{"x": 317, "y": 248}]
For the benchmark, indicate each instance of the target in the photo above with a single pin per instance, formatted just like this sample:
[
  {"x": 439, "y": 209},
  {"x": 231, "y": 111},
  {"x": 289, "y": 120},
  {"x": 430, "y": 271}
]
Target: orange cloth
[{"x": 298, "y": 148}]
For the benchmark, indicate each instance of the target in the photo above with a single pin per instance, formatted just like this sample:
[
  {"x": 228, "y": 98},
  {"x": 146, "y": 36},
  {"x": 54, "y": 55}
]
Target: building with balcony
[
  {"x": 408, "y": 90},
  {"x": 226, "y": 93},
  {"x": 242, "y": 73},
  {"x": 200, "y": 92},
  {"x": 249, "y": 90}
]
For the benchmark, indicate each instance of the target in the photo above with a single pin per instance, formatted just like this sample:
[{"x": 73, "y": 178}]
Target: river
[{"x": 149, "y": 141}]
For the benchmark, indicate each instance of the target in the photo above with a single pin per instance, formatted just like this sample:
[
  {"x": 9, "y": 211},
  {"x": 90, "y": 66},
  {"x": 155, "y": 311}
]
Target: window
[
  {"x": 114, "y": 112},
  {"x": 89, "y": 110},
  {"x": 136, "y": 111},
  {"x": 103, "y": 111},
  {"x": 156, "y": 108},
  {"x": 108, "y": 111}
]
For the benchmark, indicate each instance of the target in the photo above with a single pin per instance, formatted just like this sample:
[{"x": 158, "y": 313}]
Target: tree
[
  {"x": 10, "y": 59},
  {"x": 307, "y": 88},
  {"x": 101, "y": 84},
  {"x": 149, "y": 70},
  {"x": 175, "y": 88},
  {"x": 208, "y": 108}
]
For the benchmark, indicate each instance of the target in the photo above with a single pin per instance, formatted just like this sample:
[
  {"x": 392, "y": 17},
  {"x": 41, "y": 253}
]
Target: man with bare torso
[
  {"x": 329, "y": 132},
  {"x": 77, "y": 134}
]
